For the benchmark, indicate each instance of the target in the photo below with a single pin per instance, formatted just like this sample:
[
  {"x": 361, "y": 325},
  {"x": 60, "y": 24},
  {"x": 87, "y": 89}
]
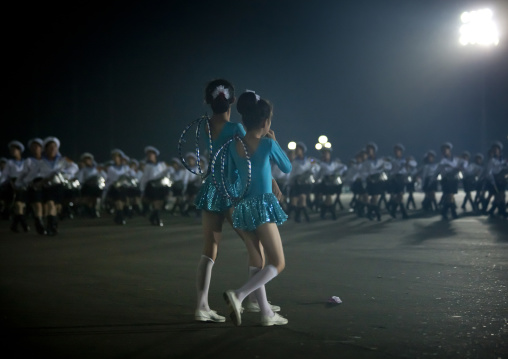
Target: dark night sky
[{"x": 129, "y": 74}]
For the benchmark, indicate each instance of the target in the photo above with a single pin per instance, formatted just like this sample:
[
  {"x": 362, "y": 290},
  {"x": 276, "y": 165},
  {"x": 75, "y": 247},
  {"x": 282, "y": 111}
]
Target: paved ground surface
[{"x": 420, "y": 288}]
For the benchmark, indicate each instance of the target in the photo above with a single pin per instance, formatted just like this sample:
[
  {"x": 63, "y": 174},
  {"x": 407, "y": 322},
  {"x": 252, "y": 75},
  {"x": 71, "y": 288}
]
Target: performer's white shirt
[
  {"x": 15, "y": 170},
  {"x": 151, "y": 172},
  {"x": 59, "y": 164},
  {"x": 114, "y": 172}
]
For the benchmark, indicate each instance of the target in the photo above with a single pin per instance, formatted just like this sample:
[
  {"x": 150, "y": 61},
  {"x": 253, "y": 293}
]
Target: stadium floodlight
[
  {"x": 292, "y": 145},
  {"x": 478, "y": 28},
  {"x": 323, "y": 139},
  {"x": 319, "y": 146}
]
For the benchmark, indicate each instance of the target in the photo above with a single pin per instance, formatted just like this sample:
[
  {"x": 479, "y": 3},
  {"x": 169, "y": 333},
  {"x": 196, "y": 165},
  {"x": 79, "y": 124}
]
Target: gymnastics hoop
[
  {"x": 181, "y": 140},
  {"x": 222, "y": 184}
]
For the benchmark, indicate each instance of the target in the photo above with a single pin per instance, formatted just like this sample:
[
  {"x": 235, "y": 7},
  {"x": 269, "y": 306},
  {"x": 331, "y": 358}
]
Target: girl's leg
[
  {"x": 212, "y": 233},
  {"x": 256, "y": 263},
  {"x": 374, "y": 208},
  {"x": 50, "y": 208},
  {"x": 119, "y": 212},
  {"x": 410, "y": 200},
  {"x": 302, "y": 207},
  {"x": 353, "y": 200},
  {"x": 400, "y": 203},
  {"x": 330, "y": 200},
  {"x": 155, "y": 215},
  {"x": 269, "y": 236},
  {"x": 464, "y": 202},
  {"x": 51, "y": 211},
  {"x": 293, "y": 202},
  {"x": 434, "y": 201},
  {"x": 392, "y": 205},
  {"x": 38, "y": 214},
  {"x": 19, "y": 217},
  {"x": 37, "y": 209}
]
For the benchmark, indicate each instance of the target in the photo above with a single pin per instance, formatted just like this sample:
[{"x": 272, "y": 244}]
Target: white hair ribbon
[
  {"x": 254, "y": 92},
  {"x": 220, "y": 89}
]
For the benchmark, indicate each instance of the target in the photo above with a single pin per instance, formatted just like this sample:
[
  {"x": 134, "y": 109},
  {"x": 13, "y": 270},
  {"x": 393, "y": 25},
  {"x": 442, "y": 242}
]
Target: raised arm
[{"x": 279, "y": 157}]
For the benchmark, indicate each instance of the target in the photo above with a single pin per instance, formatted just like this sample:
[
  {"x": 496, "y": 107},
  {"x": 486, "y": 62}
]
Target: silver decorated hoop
[
  {"x": 220, "y": 179},
  {"x": 198, "y": 122}
]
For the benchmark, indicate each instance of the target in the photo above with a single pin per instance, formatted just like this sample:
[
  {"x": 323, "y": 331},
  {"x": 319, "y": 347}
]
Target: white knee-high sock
[
  {"x": 252, "y": 272},
  {"x": 258, "y": 280},
  {"x": 259, "y": 295},
  {"x": 203, "y": 277}
]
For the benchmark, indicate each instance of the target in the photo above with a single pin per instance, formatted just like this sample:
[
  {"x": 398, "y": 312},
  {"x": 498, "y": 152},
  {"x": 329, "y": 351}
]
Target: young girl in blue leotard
[
  {"x": 259, "y": 212},
  {"x": 220, "y": 95}
]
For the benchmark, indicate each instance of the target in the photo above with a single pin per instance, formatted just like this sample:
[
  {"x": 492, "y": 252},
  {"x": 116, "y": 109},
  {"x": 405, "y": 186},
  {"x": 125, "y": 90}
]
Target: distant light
[
  {"x": 465, "y": 17},
  {"x": 292, "y": 145},
  {"x": 319, "y": 146},
  {"x": 323, "y": 139},
  {"x": 478, "y": 28},
  {"x": 328, "y": 145}
]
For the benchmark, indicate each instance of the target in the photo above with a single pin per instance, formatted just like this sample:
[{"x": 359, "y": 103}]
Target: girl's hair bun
[
  {"x": 254, "y": 110},
  {"x": 219, "y": 94},
  {"x": 246, "y": 104}
]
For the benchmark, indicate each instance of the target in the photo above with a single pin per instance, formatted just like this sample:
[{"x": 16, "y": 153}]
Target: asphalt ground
[{"x": 416, "y": 288}]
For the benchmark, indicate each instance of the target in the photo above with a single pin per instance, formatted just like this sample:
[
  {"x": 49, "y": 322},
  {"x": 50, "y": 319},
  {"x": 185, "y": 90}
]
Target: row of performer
[
  {"x": 371, "y": 177},
  {"x": 46, "y": 184}
]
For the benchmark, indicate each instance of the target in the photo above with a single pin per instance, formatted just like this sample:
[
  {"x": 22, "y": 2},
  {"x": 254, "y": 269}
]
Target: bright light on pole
[
  {"x": 478, "y": 28},
  {"x": 292, "y": 145},
  {"x": 323, "y": 139},
  {"x": 319, "y": 146},
  {"x": 328, "y": 145}
]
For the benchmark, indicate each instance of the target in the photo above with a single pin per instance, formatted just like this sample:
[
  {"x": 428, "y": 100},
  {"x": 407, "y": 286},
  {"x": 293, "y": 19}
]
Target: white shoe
[
  {"x": 277, "y": 319},
  {"x": 208, "y": 316},
  {"x": 235, "y": 307},
  {"x": 251, "y": 307}
]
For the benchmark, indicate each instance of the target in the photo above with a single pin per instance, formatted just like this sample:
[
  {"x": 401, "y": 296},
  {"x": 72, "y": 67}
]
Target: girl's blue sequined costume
[
  {"x": 259, "y": 204},
  {"x": 208, "y": 197}
]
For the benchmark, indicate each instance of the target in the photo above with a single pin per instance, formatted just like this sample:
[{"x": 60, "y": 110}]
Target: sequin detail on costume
[
  {"x": 252, "y": 212},
  {"x": 210, "y": 199}
]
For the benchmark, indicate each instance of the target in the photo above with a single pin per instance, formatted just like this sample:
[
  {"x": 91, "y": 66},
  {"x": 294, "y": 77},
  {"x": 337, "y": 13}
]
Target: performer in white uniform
[
  {"x": 32, "y": 182},
  {"x": 15, "y": 168},
  {"x": 301, "y": 180},
  {"x": 398, "y": 177},
  {"x": 468, "y": 179},
  {"x": 354, "y": 180},
  {"x": 497, "y": 173},
  {"x": 179, "y": 187},
  {"x": 448, "y": 170},
  {"x": 329, "y": 178},
  {"x": 480, "y": 170},
  {"x": 118, "y": 182},
  {"x": 92, "y": 182},
  {"x": 155, "y": 184},
  {"x": 193, "y": 183},
  {"x": 374, "y": 171},
  {"x": 412, "y": 171},
  {"x": 54, "y": 170},
  {"x": 137, "y": 203}
]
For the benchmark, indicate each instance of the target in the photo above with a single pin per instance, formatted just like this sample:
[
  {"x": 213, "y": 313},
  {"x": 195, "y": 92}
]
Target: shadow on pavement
[
  {"x": 437, "y": 229},
  {"x": 499, "y": 227},
  {"x": 327, "y": 232}
]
